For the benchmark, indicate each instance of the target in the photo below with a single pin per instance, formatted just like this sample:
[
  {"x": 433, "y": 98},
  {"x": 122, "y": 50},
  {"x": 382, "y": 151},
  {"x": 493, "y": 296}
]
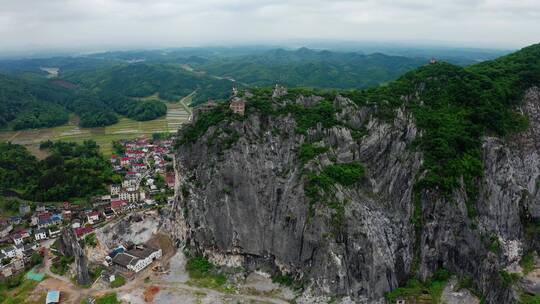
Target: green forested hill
[
  {"x": 24, "y": 104},
  {"x": 113, "y": 80},
  {"x": 99, "y": 95},
  {"x": 140, "y": 80},
  {"x": 513, "y": 73},
  {"x": 36, "y": 103},
  {"x": 456, "y": 106},
  {"x": 71, "y": 170},
  {"x": 317, "y": 69}
]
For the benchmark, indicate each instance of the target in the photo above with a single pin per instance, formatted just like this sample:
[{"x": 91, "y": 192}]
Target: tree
[
  {"x": 90, "y": 240},
  {"x": 36, "y": 258}
]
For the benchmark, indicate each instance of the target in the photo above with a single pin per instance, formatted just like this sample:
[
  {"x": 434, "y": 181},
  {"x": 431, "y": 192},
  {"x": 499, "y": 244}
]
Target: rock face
[
  {"x": 246, "y": 205},
  {"x": 136, "y": 228},
  {"x": 69, "y": 246}
]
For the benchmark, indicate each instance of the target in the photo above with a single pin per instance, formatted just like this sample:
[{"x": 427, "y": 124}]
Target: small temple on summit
[{"x": 237, "y": 104}]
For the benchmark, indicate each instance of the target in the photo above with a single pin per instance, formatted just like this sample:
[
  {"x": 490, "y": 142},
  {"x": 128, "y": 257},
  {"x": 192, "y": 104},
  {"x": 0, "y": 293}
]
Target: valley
[{"x": 178, "y": 113}]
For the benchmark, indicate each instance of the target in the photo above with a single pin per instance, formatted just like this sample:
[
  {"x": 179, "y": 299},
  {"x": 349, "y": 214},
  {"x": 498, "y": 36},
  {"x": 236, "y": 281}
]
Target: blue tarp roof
[
  {"x": 53, "y": 296},
  {"x": 116, "y": 251}
]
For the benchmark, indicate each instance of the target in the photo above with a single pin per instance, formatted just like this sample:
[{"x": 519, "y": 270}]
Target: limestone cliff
[{"x": 243, "y": 202}]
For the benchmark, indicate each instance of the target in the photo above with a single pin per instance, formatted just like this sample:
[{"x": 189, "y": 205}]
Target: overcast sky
[{"x": 26, "y": 24}]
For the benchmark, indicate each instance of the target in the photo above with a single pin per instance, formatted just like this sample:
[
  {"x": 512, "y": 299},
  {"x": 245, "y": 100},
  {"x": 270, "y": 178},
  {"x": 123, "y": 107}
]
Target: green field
[{"x": 177, "y": 114}]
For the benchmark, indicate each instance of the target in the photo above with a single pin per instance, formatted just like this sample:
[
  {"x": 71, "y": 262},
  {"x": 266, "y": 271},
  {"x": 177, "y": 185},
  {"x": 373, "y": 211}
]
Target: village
[{"x": 31, "y": 236}]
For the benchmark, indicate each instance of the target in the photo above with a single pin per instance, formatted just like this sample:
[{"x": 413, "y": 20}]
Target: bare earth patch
[{"x": 150, "y": 293}]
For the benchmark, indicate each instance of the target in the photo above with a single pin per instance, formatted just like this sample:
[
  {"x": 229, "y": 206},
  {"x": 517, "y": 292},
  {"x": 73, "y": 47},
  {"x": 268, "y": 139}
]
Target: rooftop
[
  {"x": 118, "y": 204},
  {"x": 122, "y": 259},
  {"x": 80, "y": 231},
  {"x": 53, "y": 296},
  {"x": 141, "y": 252}
]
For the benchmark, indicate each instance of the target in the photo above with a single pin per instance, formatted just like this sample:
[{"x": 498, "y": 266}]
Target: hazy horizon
[{"x": 96, "y": 25}]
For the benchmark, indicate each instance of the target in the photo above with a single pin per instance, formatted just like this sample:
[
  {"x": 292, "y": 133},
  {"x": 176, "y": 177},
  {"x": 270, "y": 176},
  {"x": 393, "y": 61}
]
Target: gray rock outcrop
[
  {"x": 246, "y": 205},
  {"x": 69, "y": 246}
]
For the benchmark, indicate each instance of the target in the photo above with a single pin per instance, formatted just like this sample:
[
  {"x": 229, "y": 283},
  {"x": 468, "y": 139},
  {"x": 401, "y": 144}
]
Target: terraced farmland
[{"x": 177, "y": 114}]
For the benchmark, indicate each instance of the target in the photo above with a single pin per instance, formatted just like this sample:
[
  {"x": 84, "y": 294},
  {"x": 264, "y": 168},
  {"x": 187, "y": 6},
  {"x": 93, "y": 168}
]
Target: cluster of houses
[
  {"x": 21, "y": 235},
  {"x": 141, "y": 162}
]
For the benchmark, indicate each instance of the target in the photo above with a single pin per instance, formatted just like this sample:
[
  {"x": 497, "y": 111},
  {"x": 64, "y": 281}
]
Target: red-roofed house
[
  {"x": 118, "y": 205},
  {"x": 93, "y": 217},
  {"x": 159, "y": 150},
  {"x": 134, "y": 153},
  {"x": 44, "y": 216},
  {"x": 23, "y": 232},
  {"x": 125, "y": 161},
  {"x": 82, "y": 231},
  {"x": 19, "y": 235},
  {"x": 170, "y": 179},
  {"x": 142, "y": 142}
]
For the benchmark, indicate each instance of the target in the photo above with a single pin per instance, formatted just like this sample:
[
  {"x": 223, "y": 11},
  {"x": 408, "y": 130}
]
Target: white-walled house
[
  {"x": 40, "y": 234},
  {"x": 17, "y": 239},
  {"x": 93, "y": 217},
  {"x": 137, "y": 258},
  {"x": 54, "y": 232},
  {"x": 76, "y": 223},
  {"x": 115, "y": 189},
  {"x": 13, "y": 251}
]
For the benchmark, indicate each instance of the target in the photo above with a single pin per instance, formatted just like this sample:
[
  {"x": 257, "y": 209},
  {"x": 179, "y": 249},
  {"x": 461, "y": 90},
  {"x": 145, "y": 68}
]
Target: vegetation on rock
[
  {"x": 529, "y": 299},
  {"x": 414, "y": 290},
  {"x": 204, "y": 273},
  {"x": 62, "y": 265},
  {"x": 344, "y": 174},
  {"x": 307, "y": 152}
]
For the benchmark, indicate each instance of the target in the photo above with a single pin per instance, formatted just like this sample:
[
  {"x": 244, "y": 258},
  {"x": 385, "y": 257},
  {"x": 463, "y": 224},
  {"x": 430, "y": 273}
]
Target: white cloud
[{"x": 156, "y": 23}]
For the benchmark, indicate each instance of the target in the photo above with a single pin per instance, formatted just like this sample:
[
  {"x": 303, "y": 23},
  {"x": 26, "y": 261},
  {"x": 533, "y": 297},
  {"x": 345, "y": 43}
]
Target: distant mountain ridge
[
  {"x": 310, "y": 68},
  {"x": 99, "y": 87}
]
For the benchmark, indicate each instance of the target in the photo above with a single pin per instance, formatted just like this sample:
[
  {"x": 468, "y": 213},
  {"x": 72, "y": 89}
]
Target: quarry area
[{"x": 164, "y": 280}]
